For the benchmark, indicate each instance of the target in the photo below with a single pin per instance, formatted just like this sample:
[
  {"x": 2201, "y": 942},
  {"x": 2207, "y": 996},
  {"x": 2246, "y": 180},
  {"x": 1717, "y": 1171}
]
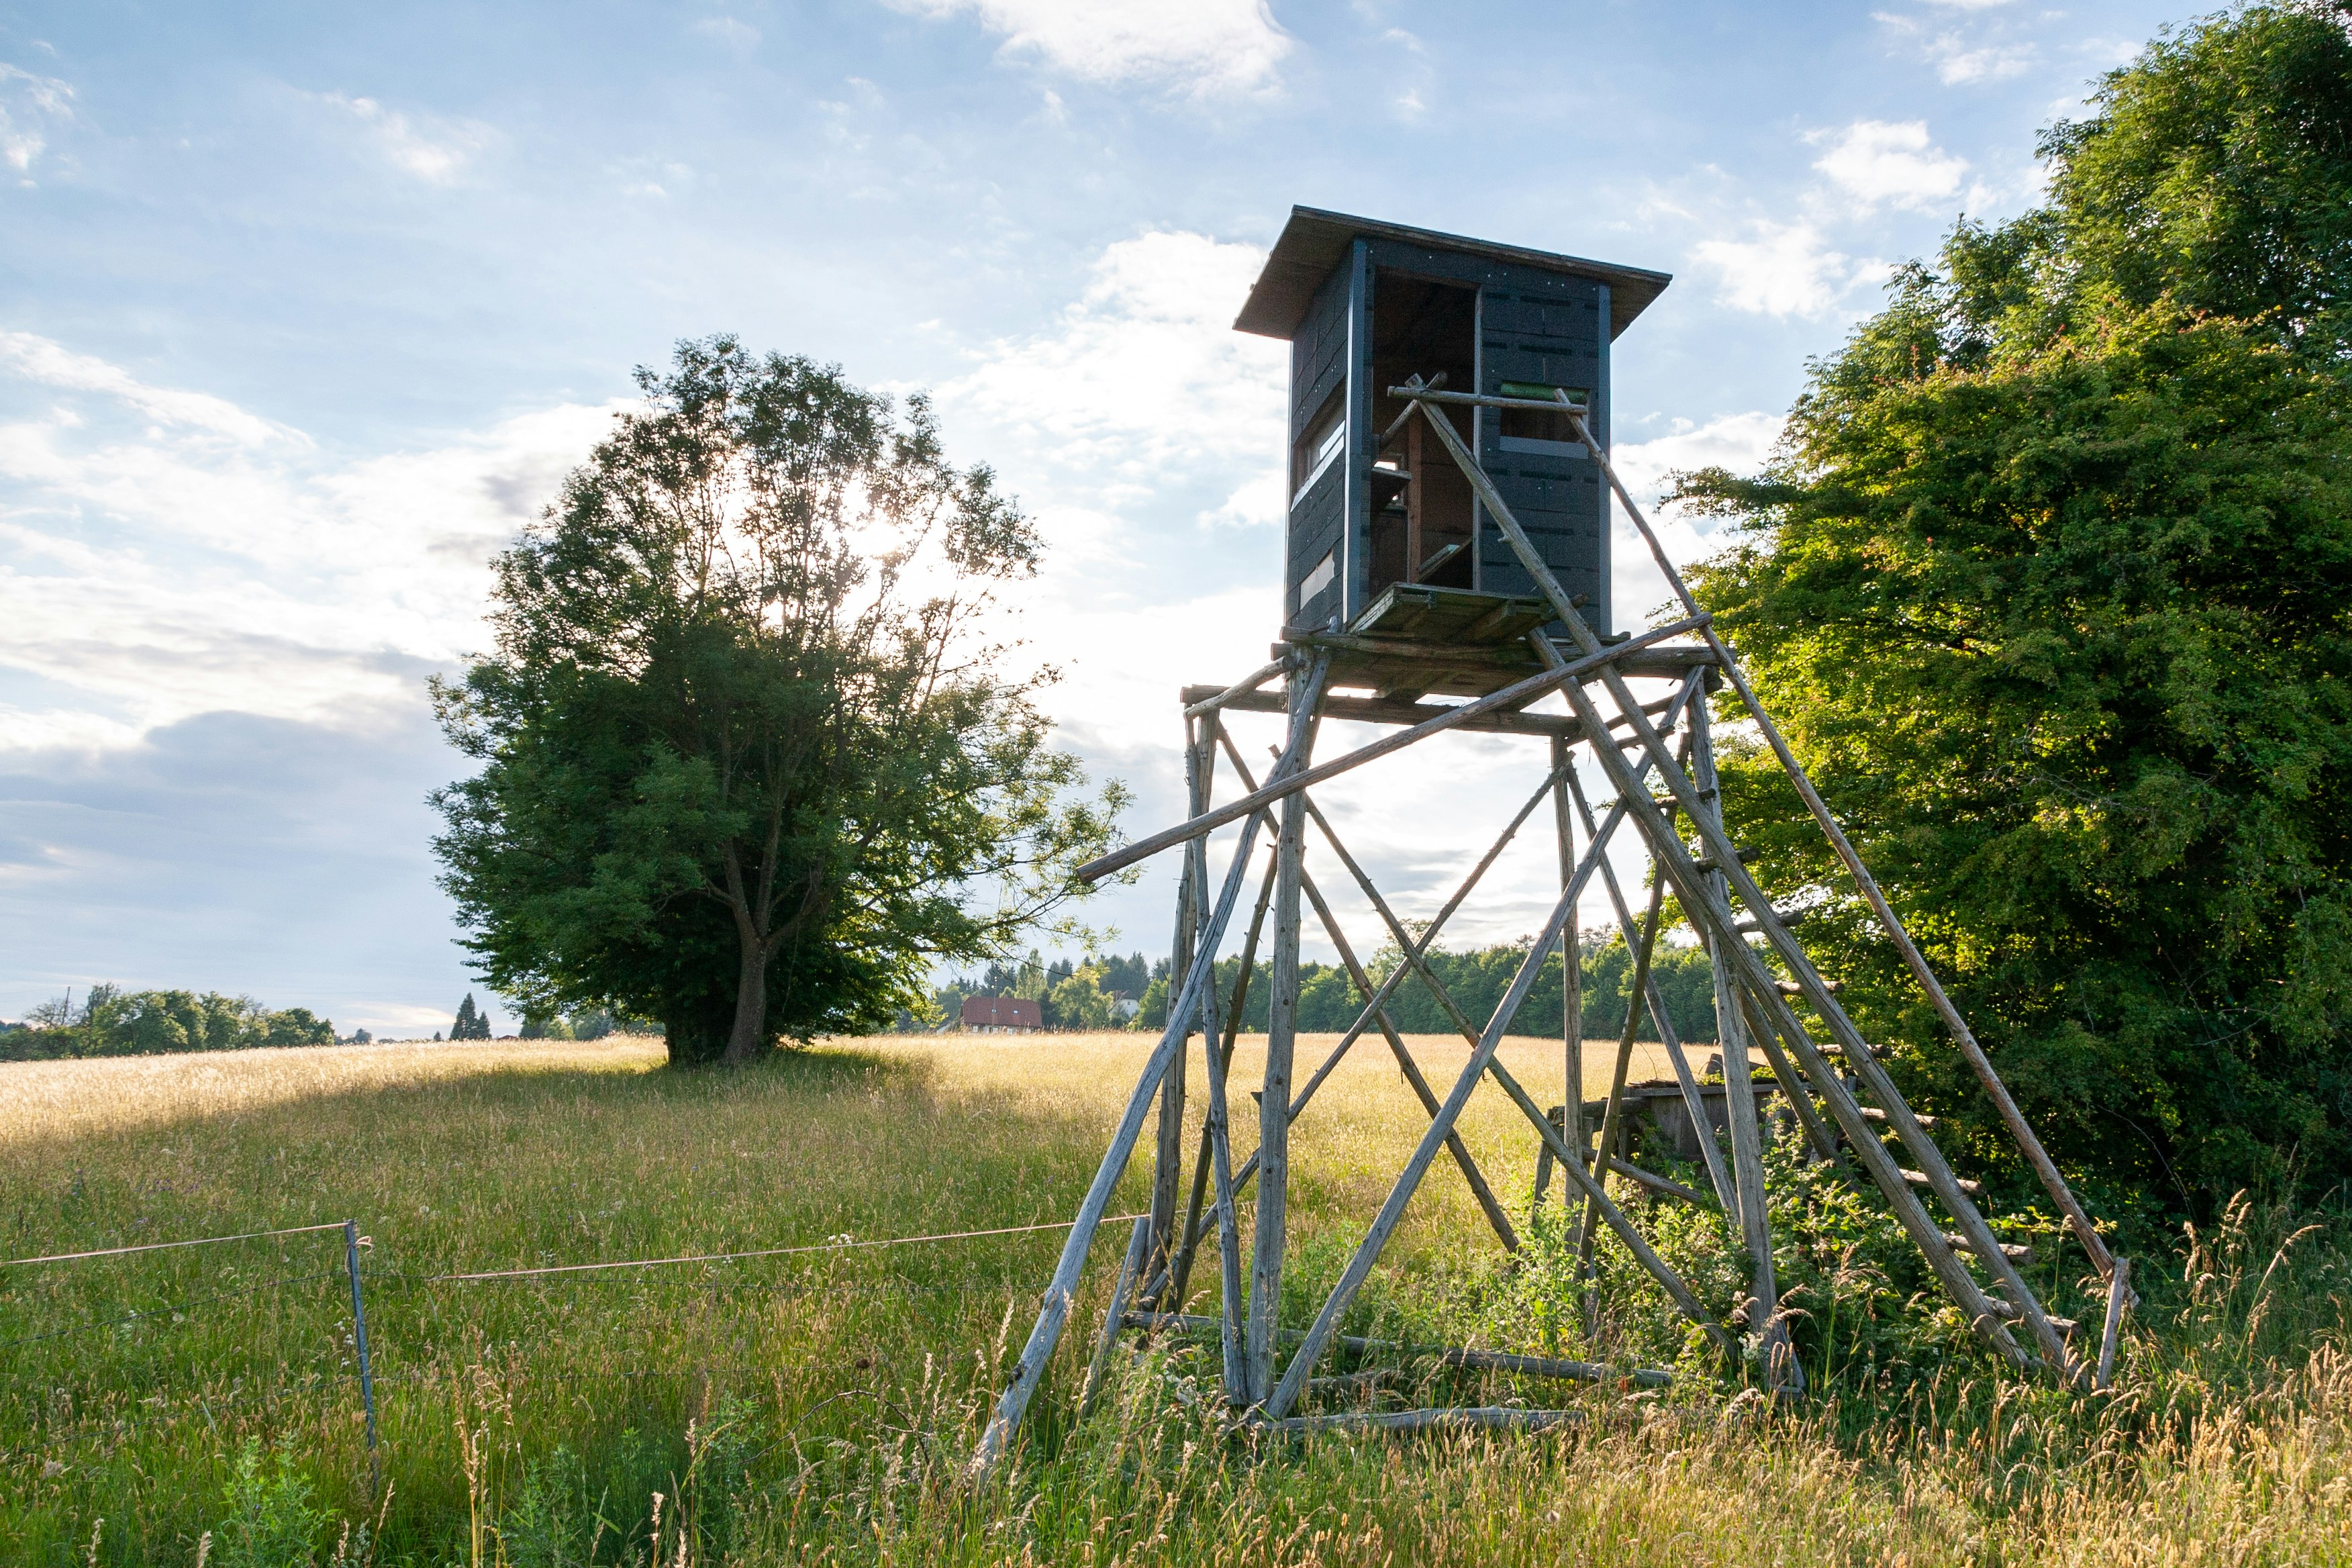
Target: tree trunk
[{"x": 749, "y": 1035}]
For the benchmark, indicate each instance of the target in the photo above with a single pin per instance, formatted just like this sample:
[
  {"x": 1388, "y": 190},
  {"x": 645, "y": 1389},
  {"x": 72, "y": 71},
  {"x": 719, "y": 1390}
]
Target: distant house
[
  {"x": 1125, "y": 1005},
  {"x": 1001, "y": 1015}
]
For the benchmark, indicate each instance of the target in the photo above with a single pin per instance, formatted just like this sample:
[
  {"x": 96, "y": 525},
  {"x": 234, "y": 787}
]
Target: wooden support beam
[
  {"x": 1061, "y": 1289},
  {"x": 1139, "y": 1244},
  {"x": 1405, "y": 1063},
  {"x": 1211, "y": 699},
  {"x": 1690, "y": 886},
  {"x": 1472, "y": 1418},
  {"x": 1784, "y": 1372},
  {"x": 2019, "y": 1129},
  {"x": 1270, "y": 1247},
  {"x": 1233, "y": 811},
  {"x": 1676, "y": 1057},
  {"x": 1571, "y": 961},
  {"x": 1473, "y": 1360},
  {"x": 1481, "y": 1060},
  {"x": 2118, "y": 1296}
]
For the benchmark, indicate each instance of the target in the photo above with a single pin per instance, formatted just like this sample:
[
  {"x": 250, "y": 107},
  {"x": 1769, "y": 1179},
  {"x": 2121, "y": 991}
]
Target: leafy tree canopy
[
  {"x": 752, "y": 756},
  {"x": 2050, "y": 586},
  {"x": 113, "y": 1022}
]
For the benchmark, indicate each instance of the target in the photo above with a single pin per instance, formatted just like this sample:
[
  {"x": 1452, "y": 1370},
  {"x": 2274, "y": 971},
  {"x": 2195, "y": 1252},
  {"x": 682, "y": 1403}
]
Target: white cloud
[
  {"x": 1739, "y": 442},
  {"x": 1208, "y": 47},
  {"x": 1876, "y": 161},
  {"x": 165, "y": 553},
  {"x": 437, "y": 154},
  {"x": 1961, "y": 58},
  {"x": 1785, "y": 269},
  {"x": 1144, "y": 374},
  {"x": 28, "y": 103},
  {"x": 45, "y": 364},
  {"x": 741, "y": 37}
]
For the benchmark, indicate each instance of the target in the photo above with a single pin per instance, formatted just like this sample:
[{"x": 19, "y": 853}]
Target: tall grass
[{"x": 819, "y": 1407}]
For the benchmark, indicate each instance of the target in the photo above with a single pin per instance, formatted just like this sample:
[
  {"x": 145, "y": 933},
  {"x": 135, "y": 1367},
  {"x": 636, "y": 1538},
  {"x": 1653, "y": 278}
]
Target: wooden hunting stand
[{"x": 1449, "y": 537}]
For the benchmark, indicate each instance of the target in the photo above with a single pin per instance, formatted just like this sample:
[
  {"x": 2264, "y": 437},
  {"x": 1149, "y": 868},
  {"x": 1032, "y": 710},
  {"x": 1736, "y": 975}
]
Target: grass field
[{"x": 817, "y": 1406}]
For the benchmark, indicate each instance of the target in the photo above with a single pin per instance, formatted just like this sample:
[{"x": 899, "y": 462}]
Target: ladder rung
[
  {"x": 2009, "y": 1249},
  {"x": 2002, "y": 1307},
  {"x": 1872, "y": 1113},
  {"x": 1832, "y": 1048},
  {"x": 1919, "y": 1179},
  {"x": 1790, "y": 920},
  {"x": 1790, "y": 988},
  {"x": 1746, "y": 854}
]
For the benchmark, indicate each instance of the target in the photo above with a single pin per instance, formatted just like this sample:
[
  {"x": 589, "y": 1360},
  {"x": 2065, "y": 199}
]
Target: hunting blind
[{"x": 1448, "y": 537}]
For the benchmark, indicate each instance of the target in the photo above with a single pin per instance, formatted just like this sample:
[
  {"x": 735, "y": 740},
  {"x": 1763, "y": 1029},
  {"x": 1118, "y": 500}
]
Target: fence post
[{"x": 359, "y": 1331}]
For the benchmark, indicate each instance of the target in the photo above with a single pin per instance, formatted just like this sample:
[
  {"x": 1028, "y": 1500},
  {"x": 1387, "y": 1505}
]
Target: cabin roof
[{"x": 1314, "y": 241}]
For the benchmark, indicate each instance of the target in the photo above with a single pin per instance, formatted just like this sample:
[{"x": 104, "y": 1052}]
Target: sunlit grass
[{"x": 818, "y": 1407}]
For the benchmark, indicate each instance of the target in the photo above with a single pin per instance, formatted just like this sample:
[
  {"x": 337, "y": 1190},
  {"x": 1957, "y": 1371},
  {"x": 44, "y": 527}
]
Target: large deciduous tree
[
  {"x": 752, "y": 756},
  {"x": 2051, "y": 585}
]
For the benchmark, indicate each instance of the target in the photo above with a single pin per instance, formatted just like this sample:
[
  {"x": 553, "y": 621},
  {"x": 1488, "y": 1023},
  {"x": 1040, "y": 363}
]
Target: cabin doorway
[{"x": 1422, "y": 512}]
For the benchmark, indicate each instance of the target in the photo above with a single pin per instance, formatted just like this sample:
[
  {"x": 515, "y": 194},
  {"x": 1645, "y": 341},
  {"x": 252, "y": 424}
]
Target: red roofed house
[{"x": 1001, "y": 1015}]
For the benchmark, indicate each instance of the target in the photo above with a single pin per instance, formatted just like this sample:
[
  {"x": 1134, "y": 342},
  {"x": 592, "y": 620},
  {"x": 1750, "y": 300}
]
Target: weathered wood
[
  {"x": 1055, "y": 1312},
  {"x": 1230, "y": 1299},
  {"x": 2118, "y": 1295},
  {"x": 1199, "y": 764},
  {"x": 1139, "y": 1244},
  {"x": 1593, "y": 856},
  {"x": 1271, "y": 1245},
  {"x": 1194, "y": 707},
  {"x": 1408, "y": 1181},
  {"x": 1221, "y": 1060},
  {"x": 1783, "y": 1370},
  {"x": 2019, "y": 1129},
  {"x": 1471, "y": 1175},
  {"x": 1469, "y": 1419},
  {"x": 1636, "y": 1243},
  {"x": 1233, "y": 811},
  {"x": 1637, "y": 997},
  {"x": 1386, "y": 710},
  {"x": 1673, "y": 857},
  {"x": 1481, "y": 1061},
  {"x": 1676, "y": 1057},
  {"x": 1792, "y": 1083},
  {"x": 1470, "y": 1359},
  {"x": 1571, "y": 965}
]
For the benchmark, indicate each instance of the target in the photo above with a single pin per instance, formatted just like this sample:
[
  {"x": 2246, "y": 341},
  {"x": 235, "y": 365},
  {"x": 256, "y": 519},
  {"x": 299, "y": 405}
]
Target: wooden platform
[{"x": 1415, "y": 641}]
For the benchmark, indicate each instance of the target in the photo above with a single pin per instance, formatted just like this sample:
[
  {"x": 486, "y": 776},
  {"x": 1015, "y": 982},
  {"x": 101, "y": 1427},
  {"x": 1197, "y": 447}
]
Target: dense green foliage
[
  {"x": 1476, "y": 979},
  {"x": 2051, "y": 587},
  {"x": 113, "y": 1022},
  {"x": 751, "y": 760}
]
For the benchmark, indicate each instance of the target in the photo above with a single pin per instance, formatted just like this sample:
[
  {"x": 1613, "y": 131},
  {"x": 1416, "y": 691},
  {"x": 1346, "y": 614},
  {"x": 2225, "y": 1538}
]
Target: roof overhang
[{"x": 1313, "y": 242}]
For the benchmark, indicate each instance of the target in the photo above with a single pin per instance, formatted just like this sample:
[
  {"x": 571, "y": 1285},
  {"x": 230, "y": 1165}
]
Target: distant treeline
[
  {"x": 1477, "y": 980},
  {"x": 111, "y": 1021}
]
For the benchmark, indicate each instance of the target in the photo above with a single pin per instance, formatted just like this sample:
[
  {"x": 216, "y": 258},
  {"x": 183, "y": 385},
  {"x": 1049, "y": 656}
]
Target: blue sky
[{"x": 305, "y": 309}]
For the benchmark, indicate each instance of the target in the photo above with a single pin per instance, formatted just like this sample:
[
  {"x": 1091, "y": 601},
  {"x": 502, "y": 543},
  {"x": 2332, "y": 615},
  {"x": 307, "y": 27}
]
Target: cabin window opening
[
  {"x": 1326, "y": 438},
  {"x": 1533, "y": 431}
]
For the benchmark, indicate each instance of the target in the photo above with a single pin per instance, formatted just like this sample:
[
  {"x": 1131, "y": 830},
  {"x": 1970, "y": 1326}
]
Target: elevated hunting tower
[
  {"x": 1450, "y": 481},
  {"x": 1368, "y": 306}
]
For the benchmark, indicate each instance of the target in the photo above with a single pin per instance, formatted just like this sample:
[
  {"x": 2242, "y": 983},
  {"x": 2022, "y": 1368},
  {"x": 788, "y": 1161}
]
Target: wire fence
[{"x": 604, "y": 1271}]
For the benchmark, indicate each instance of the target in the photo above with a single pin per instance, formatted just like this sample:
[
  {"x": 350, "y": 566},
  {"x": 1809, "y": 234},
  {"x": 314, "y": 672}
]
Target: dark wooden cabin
[{"x": 1367, "y": 305}]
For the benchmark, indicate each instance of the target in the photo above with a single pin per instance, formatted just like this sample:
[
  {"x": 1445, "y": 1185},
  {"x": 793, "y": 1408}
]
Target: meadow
[{"x": 201, "y": 1404}]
